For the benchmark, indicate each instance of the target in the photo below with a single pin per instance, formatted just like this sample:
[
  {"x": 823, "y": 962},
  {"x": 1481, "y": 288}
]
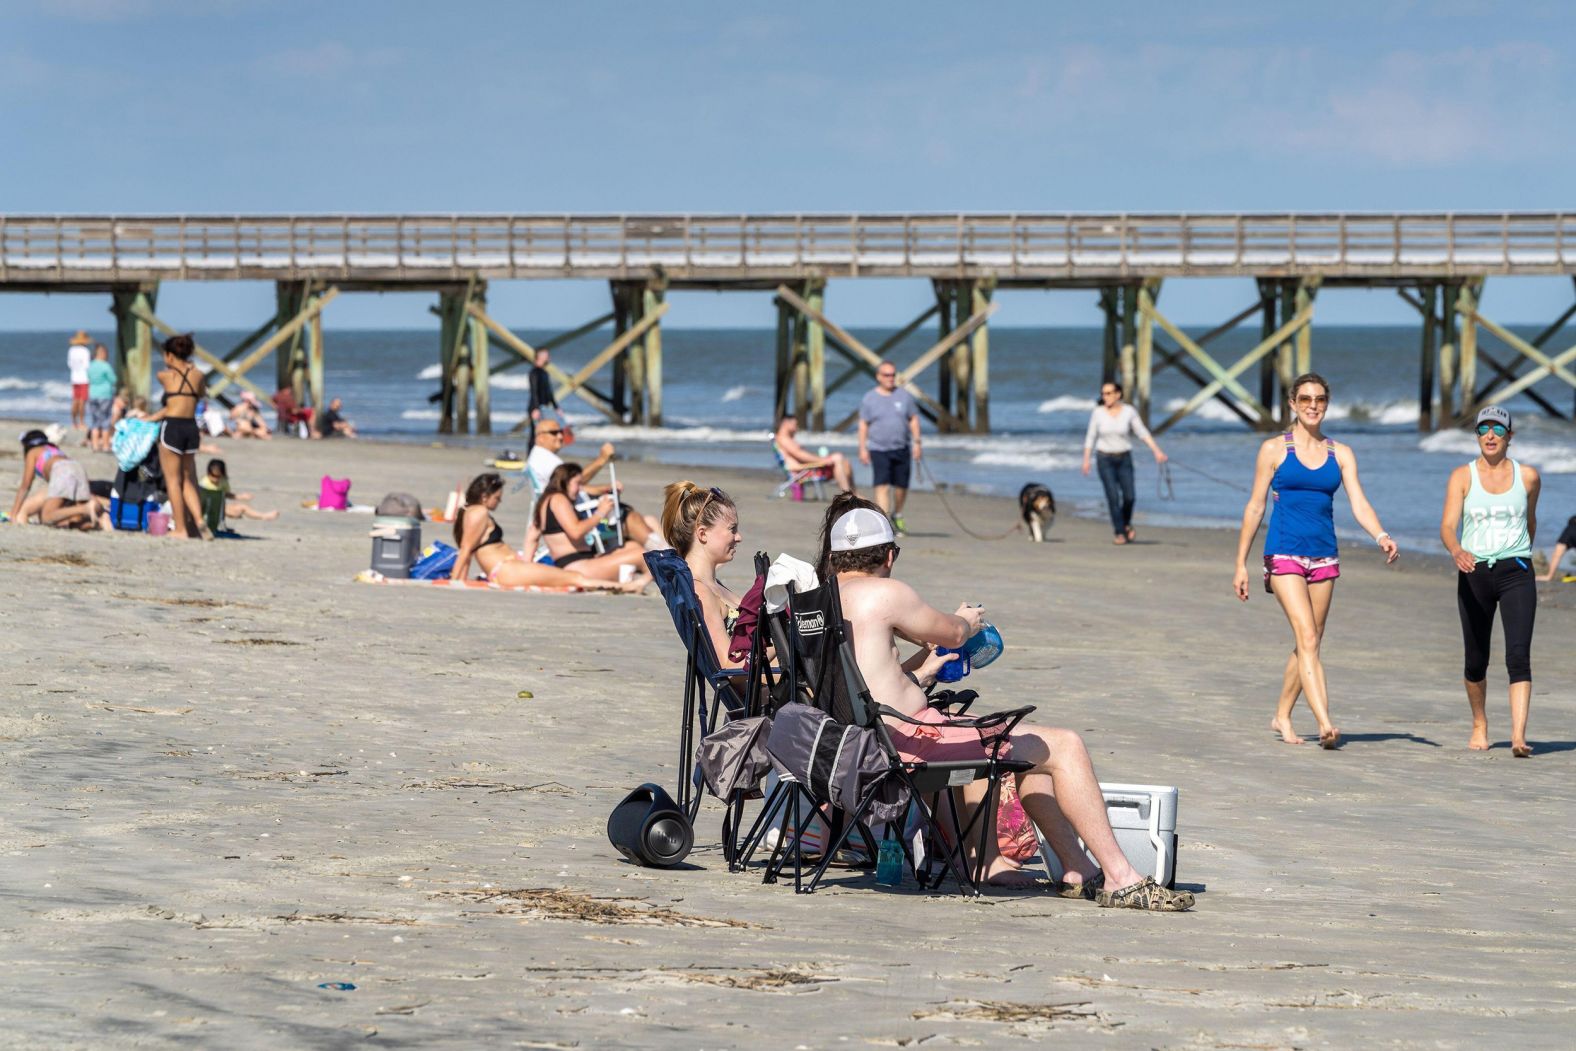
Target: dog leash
[
  {"x": 1188, "y": 467},
  {"x": 1164, "y": 490},
  {"x": 925, "y": 469}
]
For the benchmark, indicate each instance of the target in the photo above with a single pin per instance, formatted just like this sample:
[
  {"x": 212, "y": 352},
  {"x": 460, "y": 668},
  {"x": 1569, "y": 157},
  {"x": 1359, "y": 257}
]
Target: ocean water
[{"x": 717, "y": 405}]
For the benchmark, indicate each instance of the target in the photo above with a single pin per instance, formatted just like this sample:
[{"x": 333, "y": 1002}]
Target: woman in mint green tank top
[{"x": 1493, "y": 501}]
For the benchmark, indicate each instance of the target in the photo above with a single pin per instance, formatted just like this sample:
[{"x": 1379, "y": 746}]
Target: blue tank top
[{"x": 1303, "y": 519}]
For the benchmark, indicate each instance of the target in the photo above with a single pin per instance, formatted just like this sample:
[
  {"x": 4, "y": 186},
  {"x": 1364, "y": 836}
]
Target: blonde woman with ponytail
[{"x": 703, "y": 527}]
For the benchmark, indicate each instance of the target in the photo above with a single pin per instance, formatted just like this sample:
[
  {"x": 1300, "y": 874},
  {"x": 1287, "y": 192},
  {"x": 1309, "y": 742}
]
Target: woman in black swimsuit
[
  {"x": 480, "y": 538},
  {"x": 564, "y": 532},
  {"x": 179, "y": 437}
]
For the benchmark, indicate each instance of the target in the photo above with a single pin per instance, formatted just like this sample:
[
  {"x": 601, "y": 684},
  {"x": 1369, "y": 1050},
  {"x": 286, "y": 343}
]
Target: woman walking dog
[
  {"x": 1301, "y": 560},
  {"x": 1112, "y": 426}
]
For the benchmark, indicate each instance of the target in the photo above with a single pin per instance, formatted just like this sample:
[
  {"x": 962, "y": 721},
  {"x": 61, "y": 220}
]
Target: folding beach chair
[
  {"x": 945, "y": 836},
  {"x": 703, "y": 672},
  {"x": 795, "y": 480},
  {"x": 293, "y": 419}
]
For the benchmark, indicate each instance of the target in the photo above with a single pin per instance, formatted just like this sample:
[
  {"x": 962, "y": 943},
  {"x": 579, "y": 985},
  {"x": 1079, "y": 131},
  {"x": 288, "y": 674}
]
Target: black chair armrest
[{"x": 953, "y": 702}]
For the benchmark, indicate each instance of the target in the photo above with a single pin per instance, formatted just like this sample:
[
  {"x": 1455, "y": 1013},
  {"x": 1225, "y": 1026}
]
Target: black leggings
[{"x": 1509, "y": 585}]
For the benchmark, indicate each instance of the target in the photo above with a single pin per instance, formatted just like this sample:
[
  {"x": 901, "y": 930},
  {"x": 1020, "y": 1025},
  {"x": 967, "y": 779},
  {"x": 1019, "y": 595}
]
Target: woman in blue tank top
[{"x": 1301, "y": 559}]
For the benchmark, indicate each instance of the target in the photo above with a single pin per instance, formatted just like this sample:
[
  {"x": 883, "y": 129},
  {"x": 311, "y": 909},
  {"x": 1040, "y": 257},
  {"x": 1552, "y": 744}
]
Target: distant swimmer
[
  {"x": 1493, "y": 501},
  {"x": 1301, "y": 559},
  {"x": 1111, "y": 427}
]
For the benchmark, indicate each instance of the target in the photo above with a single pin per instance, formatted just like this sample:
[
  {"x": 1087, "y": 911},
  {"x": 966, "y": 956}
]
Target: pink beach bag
[{"x": 333, "y": 494}]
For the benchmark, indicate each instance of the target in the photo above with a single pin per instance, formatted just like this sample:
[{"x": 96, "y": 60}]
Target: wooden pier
[{"x": 1436, "y": 262}]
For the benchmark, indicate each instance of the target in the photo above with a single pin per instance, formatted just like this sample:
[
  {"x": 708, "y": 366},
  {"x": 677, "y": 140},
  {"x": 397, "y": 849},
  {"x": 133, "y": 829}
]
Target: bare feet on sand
[
  {"x": 1287, "y": 734},
  {"x": 1330, "y": 738},
  {"x": 1478, "y": 742},
  {"x": 1522, "y": 750}
]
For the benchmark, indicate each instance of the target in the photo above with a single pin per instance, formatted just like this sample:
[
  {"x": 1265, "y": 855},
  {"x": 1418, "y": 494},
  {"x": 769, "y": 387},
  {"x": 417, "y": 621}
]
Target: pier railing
[{"x": 65, "y": 250}]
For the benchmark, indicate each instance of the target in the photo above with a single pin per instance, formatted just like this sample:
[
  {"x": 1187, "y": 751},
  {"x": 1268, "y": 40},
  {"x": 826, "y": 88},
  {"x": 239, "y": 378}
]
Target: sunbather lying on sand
[
  {"x": 479, "y": 536},
  {"x": 1060, "y": 793}
]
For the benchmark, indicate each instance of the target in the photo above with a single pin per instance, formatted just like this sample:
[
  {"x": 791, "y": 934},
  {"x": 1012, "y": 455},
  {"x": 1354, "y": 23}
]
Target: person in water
[
  {"x": 1060, "y": 792},
  {"x": 1493, "y": 502},
  {"x": 479, "y": 538},
  {"x": 1301, "y": 559},
  {"x": 179, "y": 437}
]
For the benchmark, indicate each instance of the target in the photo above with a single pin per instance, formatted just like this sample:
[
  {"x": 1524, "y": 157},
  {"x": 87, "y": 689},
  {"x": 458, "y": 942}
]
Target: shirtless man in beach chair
[
  {"x": 1061, "y": 794},
  {"x": 797, "y": 458}
]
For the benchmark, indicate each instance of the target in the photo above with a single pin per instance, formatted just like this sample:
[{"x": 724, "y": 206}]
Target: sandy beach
[{"x": 232, "y": 775}]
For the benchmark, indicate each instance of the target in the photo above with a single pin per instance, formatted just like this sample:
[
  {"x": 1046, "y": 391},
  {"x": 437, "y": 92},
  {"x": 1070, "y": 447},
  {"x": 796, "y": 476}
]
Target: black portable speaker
[{"x": 649, "y": 829}]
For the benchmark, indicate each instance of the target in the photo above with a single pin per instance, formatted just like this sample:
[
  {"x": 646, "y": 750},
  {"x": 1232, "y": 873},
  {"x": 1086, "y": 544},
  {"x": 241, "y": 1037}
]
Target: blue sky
[{"x": 280, "y": 106}]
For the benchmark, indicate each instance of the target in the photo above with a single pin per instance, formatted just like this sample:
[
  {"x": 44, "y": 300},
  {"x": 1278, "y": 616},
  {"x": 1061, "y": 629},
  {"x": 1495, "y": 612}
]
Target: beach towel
[
  {"x": 787, "y": 570},
  {"x": 743, "y": 636},
  {"x": 133, "y": 441},
  {"x": 370, "y": 576}
]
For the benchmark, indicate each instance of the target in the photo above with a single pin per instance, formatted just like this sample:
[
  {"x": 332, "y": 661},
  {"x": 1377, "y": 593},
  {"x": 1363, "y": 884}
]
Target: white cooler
[{"x": 1144, "y": 818}]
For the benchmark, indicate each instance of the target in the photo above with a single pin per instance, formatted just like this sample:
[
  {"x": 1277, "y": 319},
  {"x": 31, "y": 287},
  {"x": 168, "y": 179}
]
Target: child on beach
[{"x": 236, "y": 505}]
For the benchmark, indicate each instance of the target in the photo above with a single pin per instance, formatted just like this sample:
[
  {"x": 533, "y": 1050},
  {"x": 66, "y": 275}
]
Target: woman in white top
[{"x": 1111, "y": 426}]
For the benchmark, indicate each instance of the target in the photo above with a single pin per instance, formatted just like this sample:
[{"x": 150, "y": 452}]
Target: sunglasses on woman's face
[
  {"x": 1313, "y": 399},
  {"x": 1498, "y": 428}
]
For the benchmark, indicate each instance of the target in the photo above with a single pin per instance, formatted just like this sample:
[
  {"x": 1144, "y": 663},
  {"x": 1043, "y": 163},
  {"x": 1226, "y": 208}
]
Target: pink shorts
[
  {"x": 1313, "y": 570},
  {"x": 936, "y": 742},
  {"x": 79, "y": 392}
]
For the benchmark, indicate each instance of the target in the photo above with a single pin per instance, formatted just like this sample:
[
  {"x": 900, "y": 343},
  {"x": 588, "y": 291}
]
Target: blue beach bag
[{"x": 435, "y": 564}]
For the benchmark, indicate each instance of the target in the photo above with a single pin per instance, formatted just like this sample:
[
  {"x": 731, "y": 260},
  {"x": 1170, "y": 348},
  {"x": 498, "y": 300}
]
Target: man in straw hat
[{"x": 78, "y": 357}]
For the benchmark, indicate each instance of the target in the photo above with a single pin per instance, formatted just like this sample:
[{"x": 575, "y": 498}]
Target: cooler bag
[{"x": 1144, "y": 818}]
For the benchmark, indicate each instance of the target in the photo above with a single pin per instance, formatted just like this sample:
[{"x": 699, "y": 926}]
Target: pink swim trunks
[
  {"x": 935, "y": 742},
  {"x": 1314, "y": 570}
]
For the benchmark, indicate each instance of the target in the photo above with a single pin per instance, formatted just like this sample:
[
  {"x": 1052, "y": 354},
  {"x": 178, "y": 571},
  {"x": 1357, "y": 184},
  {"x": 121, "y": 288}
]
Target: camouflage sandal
[
  {"x": 1145, "y": 894},
  {"x": 1079, "y": 891}
]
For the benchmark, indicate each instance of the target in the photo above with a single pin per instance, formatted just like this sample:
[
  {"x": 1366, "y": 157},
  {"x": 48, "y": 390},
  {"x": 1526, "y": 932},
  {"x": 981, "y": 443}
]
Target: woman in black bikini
[
  {"x": 479, "y": 536},
  {"x": 179, "y": 436},
  {"x": 564, "y": 532}
]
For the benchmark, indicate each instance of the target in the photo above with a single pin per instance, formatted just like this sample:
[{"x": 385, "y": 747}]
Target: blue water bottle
[
  {"x": 889, "y": 862},
  {"x": 981, "y": 649}
]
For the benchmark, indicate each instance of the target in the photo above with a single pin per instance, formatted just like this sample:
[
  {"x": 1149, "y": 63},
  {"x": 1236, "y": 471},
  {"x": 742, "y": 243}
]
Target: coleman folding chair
[
  {"x": 946, "y": 837},
  {"x": 703, "y": 673}
]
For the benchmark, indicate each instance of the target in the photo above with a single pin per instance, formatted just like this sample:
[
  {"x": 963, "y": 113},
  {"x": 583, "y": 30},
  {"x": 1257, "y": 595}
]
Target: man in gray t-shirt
[{"x": 889, "y": 441}]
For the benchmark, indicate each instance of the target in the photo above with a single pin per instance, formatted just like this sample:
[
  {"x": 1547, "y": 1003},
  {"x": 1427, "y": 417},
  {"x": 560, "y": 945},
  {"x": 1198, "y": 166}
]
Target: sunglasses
[
  {"x": 885, "y": 375},
  {"x": 896, "y": 551},
  {"x": 713, "y": 494},
  {"x": 545, "y": 431},
  {"x": 1499, "y": 429},
  {"x": 1314, "y": 399}
]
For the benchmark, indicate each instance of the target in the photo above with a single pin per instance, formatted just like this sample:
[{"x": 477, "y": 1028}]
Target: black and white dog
[{"x": 1039, "y": 510}]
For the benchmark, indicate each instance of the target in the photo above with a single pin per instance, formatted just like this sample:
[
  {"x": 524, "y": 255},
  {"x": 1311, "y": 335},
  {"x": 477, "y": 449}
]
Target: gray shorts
[
  {"x": 68, "y": 480},
  {"x": 99, "y": 412}
]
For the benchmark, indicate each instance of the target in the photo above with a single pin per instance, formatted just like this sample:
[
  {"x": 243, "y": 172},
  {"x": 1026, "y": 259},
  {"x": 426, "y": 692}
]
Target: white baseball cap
[{"x": 861, "y": 528}]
